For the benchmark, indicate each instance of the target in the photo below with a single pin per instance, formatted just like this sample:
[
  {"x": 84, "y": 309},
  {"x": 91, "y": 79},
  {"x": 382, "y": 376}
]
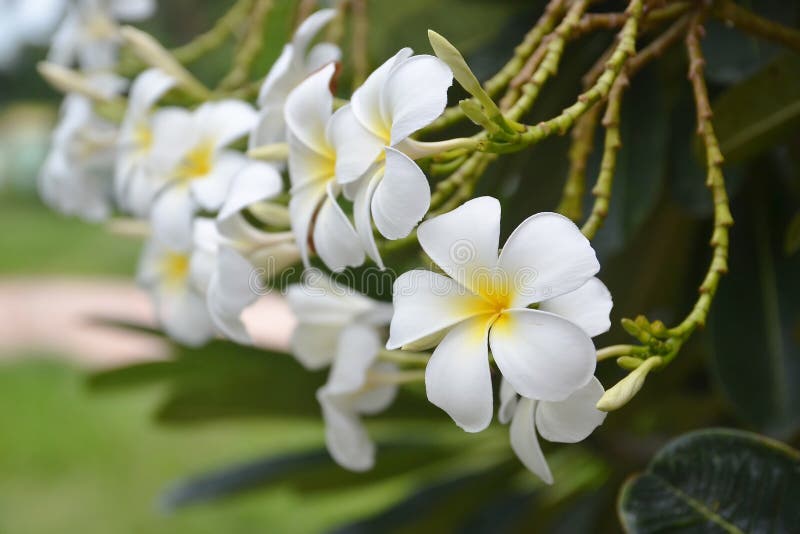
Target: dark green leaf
[
  {"x": 715, "y": 481},
  {"x": 756, "y": 314},
  {"x": 438, "y": 507},
  {"x": 791, "y": 243},
  {"x": 760, "y": 111}
]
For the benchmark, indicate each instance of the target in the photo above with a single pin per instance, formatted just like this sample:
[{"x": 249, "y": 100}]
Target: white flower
[
  {"x": 237, "y": 251},
  {"x": 545, "y": 353},
  {"x": 194, "y": 169},
  {"x": 568, "y": 421},
  {"x": 89, "y": 35},
  {"x": 323, "y": 310},
  {"x": 76, "y": 176},
  {"x": 135, "y": 176},
  {"x": 404, "y": 94},
  {"x": 294, "y": 64},
  {"x": 26, "y": 22},
  {"x": 174, "y": 279},
  {"x": 358, "y": 384},
  {"x": 312, "y": 164}
]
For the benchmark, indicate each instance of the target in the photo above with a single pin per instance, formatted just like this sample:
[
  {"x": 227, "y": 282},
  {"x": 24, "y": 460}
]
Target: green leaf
[
  {"x": 760, "y": 111},
  {"x": 439, "y": 506},
  {"x": 715, "y": 481},
  {"x": 754, "y": 319}
]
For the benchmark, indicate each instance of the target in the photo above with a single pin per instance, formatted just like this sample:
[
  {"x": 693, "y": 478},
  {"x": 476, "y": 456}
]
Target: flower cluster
[{"x": 340, "y": 179}]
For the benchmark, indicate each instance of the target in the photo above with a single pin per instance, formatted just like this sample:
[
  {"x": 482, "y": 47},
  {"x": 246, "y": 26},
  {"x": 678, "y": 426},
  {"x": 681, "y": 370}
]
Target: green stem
[
  {"x": 249, "y": 47},
  {"x": 714, "y": 181},
  {"x": 571, "y": 204},
  {"x": 213, "y": 38},
  {"x": 522, "y": 52},
  {"x": 747, "y": 21}
]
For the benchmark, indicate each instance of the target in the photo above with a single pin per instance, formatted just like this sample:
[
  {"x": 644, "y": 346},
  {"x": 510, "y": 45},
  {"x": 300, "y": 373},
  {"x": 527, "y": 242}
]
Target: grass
[
  {"x": 38, "y": 241},
  {"x": 72, "y": 461}
]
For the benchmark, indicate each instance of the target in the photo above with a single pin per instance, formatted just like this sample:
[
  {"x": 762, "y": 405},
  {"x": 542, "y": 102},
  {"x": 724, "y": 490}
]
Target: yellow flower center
[
  {"x": 197, "y": 163},
  {"x": 143, "y": 137},
  {"x": 174, "y": 268}
]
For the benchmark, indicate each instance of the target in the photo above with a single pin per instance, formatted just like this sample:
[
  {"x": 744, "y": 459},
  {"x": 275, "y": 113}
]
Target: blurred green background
[{"x": 78, "y": 456}]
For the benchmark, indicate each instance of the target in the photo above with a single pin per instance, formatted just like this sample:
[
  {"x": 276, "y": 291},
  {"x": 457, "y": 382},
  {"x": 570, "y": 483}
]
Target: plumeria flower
[
  {"x": 24, "y": 22},
  {"x": 77, "y": 173},
  {"x": 371, "y": 139},
  {"x": 135, "y": 174},
  {"x": 174, "y": 279},
  {"x": 316, "y": 216},
  {"x": 536, "y": 304},
  {"x": 358, "y": 384},
  {"x": 89, "y": 35},
  {"x": 568, "y": 421},
  {"x": 236, "y": 250},
  {"x": 195, "y": 167},
  {"x": 294, "y": 64},
  {"x": 324, "y": 310}
]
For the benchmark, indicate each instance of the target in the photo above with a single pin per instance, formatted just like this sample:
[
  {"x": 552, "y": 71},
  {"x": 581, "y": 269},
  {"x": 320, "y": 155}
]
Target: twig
[
  {"x": 250, "y": 45},
  {"x": 714, "y": 181},
  {"x": 360, "y": 45},
  {"x": 739, "y": 17}
]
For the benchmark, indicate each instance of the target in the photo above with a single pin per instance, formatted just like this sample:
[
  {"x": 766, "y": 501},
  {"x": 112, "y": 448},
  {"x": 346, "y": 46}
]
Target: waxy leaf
[
  {"x": 714, "y": 481},
  {"x": 760, "y": 111}
]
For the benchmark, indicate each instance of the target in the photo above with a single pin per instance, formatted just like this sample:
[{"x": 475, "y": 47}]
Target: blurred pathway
[{"x": 59, "y": 316}]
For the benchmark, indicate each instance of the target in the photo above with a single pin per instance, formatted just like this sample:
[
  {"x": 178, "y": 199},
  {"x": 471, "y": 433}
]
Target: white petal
[
  {"x": 308, "y": 109},
  {"x": 361, "y": 215},
  {"x": 147, "y": 88},
  {"x": 457, "y": 378},
  {"x": 525, "y": 443},
  {"x": 171, "y": 217},
  {"x": 307, "y": 166},
  {"x": 574, "y": 418},
  {"x": 133, "y": 9},
  {"x": 345, "y": 436},
  {"x": 203, "y": 260},
  {"x": 302, "y": 207},
  {"x": 508, "y": 402},
  {"x": 366, "y": 100},
  {"x": 184, "y": 317},
  {"x": 173, "y": 135},
  {"x": 588, "y": 306},
  {"x": 415, "y": 94},
  {"x": 542, "y": 355},
  {"x": 254, "y": 182},
  {"x": 356, "y": 147},
  {"x": 426, "y": 303},
  {"x": 309, "y": 28},
  {"x": 280, "y": 79},
  {"x": 402, "y": 198},
  {"x": 225, "y": 121},
  {"x": 356, "y": 350},
  {"x": 321, "y": 54},
  {"x": 230, "y": 292},
  {"x": 270, "y": 128},
  {"x": 335, "y": 239},
  {"x": 376, "y": 398},
  {"x": 314, "y": 345},
  {"x": 211, "y": 190},
  {"x": 320, "y": 301},
  {"x": 464, "y": 242},
  {"x": 547, "y": 256}
]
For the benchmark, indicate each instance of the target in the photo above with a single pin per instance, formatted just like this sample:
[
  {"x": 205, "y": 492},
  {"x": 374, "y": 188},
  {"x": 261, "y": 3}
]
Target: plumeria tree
[{"x": 438, "y": 278}]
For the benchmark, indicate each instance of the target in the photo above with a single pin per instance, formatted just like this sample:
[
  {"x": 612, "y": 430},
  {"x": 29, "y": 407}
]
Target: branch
[
  {"x": 522, "y": 52},
  {"x": 249, "y": 48},
  {"x": 714, "y": 181},
  {"x": 739, "y": 17}
]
